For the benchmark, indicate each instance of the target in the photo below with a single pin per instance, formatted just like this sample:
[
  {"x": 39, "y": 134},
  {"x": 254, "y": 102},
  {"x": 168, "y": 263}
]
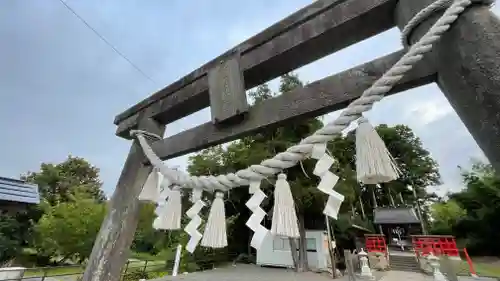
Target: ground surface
[
  {"x": 244, "y": 272},
  {"x": 412, "y": 276},
  {"x": 257, "y": 273}
]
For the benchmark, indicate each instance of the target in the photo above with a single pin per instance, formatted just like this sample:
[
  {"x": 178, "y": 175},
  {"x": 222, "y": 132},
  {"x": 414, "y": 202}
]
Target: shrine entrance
[
  {"x": 464, "y": 64},
  {"x": 398, "y": 225}
]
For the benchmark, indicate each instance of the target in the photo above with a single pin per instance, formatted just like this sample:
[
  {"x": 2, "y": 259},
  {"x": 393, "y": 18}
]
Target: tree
[
  {"x": 480, "y": 199},
  {"x": 61, "y": 182},
  {"x": 10, "y": 243},
  {"x": 445, "y": 216},
  {"x": 68, "y": 230}
]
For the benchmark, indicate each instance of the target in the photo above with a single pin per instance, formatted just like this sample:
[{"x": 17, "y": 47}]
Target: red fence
[
  {"x": 375, "y": 243},
  {"x": 423, "y": 245}
]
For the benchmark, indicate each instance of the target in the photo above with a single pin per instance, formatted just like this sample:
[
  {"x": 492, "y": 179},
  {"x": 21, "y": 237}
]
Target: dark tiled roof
[
  {"x": 18, "y": 191},
  {"x": 395, "y": 216}
]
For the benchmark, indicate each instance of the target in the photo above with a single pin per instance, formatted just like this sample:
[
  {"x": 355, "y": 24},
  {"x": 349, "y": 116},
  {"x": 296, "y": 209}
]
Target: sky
[{"x": 62, "y": 85}]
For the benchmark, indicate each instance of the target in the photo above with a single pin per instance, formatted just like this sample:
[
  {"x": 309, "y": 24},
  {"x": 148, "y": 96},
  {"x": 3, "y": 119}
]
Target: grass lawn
[
  {"x": 135, "y": 265},
  {"x": 482, "y": 269},
  {"x": 53, "y": 271}
]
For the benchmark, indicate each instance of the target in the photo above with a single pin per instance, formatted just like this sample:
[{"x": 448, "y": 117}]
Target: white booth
[
  {"x": 11, "y": 273},
  {"x": 275, "y": 251}
]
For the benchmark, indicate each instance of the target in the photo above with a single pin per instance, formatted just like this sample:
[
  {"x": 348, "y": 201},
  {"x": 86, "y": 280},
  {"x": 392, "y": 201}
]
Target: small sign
[{"x": 227, "y": 90}]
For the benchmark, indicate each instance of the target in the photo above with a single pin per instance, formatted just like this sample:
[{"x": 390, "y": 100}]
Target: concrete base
[{"x": 378, "y": 261}]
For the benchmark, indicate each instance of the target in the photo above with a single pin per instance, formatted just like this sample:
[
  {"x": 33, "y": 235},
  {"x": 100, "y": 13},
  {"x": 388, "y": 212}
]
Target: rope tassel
[
  {"x": 258, "y": 214},
  {"x": 151, "y": 188},
  {"x": 215, "y": 235},
  {"x": 374, "y": 164},
  {"x": 284, "y": 216},
  {"x": 170, "y": 213}
]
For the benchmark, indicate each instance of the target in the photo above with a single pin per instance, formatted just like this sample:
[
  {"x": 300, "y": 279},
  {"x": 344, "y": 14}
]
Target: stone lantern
[
  {"x": 366, "y": 272},
  {"x": 434, "y": 263}
]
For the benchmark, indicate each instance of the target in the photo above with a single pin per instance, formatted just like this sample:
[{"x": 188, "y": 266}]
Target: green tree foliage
[
  {"x": 68, "y": 230},
  {"x": 445, "y": 216},
  {"x": 475, "y": 218},
  {"x": 61, "y": 182},
  {"x": 10, "y": 243}
]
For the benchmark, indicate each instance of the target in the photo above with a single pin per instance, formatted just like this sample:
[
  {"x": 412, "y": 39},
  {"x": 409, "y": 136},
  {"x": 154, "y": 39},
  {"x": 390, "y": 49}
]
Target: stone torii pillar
[
  {"x": 112, "y": 245},
  {"x": 467, "y": 61}
]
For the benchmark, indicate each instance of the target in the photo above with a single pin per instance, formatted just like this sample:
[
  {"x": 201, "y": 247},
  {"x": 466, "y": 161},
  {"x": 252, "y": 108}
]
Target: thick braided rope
[
  {"x": 427, "y": 12},
  {"x": 299, "y": 152}
]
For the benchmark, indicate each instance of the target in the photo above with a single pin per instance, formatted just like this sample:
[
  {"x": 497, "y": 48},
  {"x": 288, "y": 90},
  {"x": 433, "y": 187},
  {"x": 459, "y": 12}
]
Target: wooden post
[
  {"x": 419, "y": 211},
  {"x": 468, "y": 66},
  {"x": 375, "y": 205},
  {"x": 349, "y": 266},
  {"x": 111, "y": 248},
  {"x": 330, "y": 250},
  {"x": 448, "y": 269}
]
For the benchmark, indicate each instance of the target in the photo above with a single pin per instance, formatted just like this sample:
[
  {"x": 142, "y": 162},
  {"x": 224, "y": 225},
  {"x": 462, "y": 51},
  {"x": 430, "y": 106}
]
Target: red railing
[
  {"x": 423, "y": 245},
  {"x": 375, "y": 243}
]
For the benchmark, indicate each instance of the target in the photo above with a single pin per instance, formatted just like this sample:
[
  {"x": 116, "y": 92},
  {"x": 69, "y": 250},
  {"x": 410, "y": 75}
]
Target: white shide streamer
[
  {"x": 192, "y": 227},
  {"x": 258, "y": 214},
  {"x": 328, "y": 180}
]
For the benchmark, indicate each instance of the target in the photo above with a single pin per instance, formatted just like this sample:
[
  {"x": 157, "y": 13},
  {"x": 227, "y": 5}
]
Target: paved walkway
[
  {"x": 405, "y": 276},
  {"x": 248, "y": 272}
]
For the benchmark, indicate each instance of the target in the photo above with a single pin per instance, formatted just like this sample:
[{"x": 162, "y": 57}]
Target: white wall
[
  {"x": 275, "y": 251},
  {"x": 11, "y": 273}
]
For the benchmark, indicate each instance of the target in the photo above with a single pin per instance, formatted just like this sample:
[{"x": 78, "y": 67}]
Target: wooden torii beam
[{"x": 315, "y": 31}]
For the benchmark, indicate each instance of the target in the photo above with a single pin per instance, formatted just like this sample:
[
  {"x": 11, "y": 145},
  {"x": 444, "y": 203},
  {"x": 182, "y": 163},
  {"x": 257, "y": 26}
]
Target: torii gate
[{"x": 464, "y": 64}]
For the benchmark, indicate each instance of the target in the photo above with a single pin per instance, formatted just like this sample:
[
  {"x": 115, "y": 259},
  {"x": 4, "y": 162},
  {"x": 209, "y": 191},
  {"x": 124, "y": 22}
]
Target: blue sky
[{"x": 62, "y": 85}]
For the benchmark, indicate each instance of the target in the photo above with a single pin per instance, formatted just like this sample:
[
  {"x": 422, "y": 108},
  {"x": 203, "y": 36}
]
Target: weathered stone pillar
[
  {"x": 467, "y": 59},
  {"x": 112, "y": 245}
]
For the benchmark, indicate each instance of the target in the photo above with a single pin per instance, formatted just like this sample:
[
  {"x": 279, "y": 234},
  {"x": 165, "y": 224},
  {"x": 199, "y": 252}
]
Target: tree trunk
[
  {"x": 303, "y": 262},
  {"x": 249, "y": 247},
  {"x": 402, "y": 199},
  {"x": 293, "y": 250},
  {"x": 389, "y": 194},
  {"x": 363, "y": 215},
  {"x": 375, "y": 205}
]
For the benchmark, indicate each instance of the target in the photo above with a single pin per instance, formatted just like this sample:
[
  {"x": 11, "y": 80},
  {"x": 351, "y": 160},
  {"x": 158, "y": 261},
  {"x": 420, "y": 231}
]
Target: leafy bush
[{"x": 10, "y": 245}]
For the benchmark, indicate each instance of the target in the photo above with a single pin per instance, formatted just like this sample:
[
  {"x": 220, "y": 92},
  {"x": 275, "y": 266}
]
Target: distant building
[{"x": 15, "y": 195}]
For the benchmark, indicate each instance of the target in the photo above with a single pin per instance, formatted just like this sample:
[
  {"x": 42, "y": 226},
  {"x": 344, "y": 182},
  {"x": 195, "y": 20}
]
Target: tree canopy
[
  {"x": 472, "y": 213},
  {"x": 61, "y": 182},
  {"x": 68, "y": 230}
]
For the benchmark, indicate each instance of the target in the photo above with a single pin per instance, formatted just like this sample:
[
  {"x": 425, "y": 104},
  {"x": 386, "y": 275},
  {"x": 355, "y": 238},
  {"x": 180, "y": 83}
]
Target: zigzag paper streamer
[
  {"x": 192, "y": 227},
  {"x": 258, "y": 214},
  {"x": 328, "y": 180}
]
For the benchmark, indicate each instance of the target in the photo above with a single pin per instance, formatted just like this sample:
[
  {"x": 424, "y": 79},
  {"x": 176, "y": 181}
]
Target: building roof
[
  {"x": 395, "y": 216},
  {"x": 18, "y": 191}
]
